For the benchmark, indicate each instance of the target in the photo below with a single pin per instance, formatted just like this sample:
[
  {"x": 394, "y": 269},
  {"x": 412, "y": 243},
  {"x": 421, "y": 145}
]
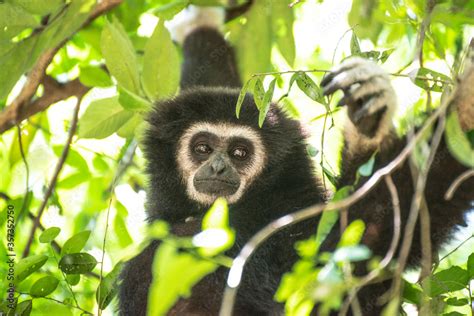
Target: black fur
[
  {"x": 208, "y": 61},
  {"x": 267, "y": 198},
  {"x": 286, "y": 184}
]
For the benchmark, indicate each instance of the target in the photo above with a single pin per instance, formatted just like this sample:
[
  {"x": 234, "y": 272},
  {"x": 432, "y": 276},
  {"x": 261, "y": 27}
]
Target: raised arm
[
  {"x": 371, "y": 102},
  {"x": 208, "y": 58}
]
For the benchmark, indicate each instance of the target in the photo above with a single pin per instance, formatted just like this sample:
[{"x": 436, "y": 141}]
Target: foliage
[{"x": 116, "y": 58}]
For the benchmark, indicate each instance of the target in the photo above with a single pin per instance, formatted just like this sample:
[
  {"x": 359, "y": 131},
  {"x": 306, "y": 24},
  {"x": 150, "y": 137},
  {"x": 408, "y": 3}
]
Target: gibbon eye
[
  {"x": 202, "y": 149},
  {"x": 239, "y": 153}
]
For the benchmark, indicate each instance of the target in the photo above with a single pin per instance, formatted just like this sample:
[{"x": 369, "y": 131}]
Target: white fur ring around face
[{"x": 192, "y": 18}]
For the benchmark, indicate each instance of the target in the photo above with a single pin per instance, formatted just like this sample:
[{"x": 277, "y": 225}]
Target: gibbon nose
[{"x": 218, "y": 165}]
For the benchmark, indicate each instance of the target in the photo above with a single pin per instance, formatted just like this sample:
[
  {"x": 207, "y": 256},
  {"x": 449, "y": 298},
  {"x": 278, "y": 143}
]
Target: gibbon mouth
[{"x": 215, "y": 186}]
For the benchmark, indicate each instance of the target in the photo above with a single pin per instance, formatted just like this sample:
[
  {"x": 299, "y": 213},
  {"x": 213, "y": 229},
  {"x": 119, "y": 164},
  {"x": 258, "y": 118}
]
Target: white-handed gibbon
[{"x": 197, "y": 150}]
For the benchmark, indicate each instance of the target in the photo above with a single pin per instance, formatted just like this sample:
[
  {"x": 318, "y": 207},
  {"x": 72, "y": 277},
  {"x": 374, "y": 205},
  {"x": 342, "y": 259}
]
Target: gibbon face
[{"x": 219, "y": 160}]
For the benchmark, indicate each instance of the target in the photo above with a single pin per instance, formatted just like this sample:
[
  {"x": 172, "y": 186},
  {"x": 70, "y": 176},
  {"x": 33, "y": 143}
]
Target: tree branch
[
  {"x": 397, "y": 223},
  {"x": 19, "y": 109},
  {"x": 53, "y": 92},
  {"x": 235, "y": 273},
  {"x": 457, "y": 183},
  {"x": 52, "y": 184}
]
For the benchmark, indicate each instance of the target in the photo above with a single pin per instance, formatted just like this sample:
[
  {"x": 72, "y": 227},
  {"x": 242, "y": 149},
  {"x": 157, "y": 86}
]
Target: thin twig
[
  {"x": 291, "y": 5},
  {"x": 57, "y": 301},
  {"x": 52, "y": 184},
  {"x": 64, "y": 277},
  {"x": 27, "y": 170},
  {"x": 416, "y": 203},
  {"x": 391, "y": 251},
  {"x": 125, "y": 162},
  {"x": 424, "y": 78},
  {"x": 457, "y": 247},
  {"x": 425, "y": 236},
  {"x": 339, "y": 42},
  {"x": 421, "y": 78},
  {"x": 235, "y": 273},
  {"x": 322, "y": 150},
  {"x": 99, "y": 310},
  {"x": 457, "y": 183},
  {"x": 423, "y": 28}
]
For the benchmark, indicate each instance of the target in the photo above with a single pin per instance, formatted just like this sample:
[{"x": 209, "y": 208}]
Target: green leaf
[
  {"x": 14, "y": 19},
  {"x": 73, "y": 279},
  {"x": 454, "y": 301},
  {"x": 310, "y": 88},
  {"x": 108, "y": 288},
  {"x": 73, "y": 180},
  {"x": 292, "y": 81},
  {"x": 99, "y": 164},
  {"x": 66, "y": 23},
  {"x": 374, "y": 55},
  {"x": 172, "y": 277},
  {"x": 258, "y": 92},
  {"x": 353, "y": 234},
  {"x": 48, "y": 307},
  {"x": 452, "y": 279},
  {"x": 74, "y": 158},
  {"x": 458, "y": 143},
  {"x": 49, "y": 234},
  {"x": 470, "y": 265},
  {"x": 17, "y": 59},
  {"x": 75, "y": 243},
  {"x": 161, "y": 65},
  {"x": 330, "y": 274},
  {"x": 169, "y": 10},
  {"x": 211, "y": 3},
  {"x": 158, "y": 229},
  {"x": 119, "y": 56},
  {"x": 91, "y": 76},
  {"x": 77, "y": 263},
  {"x": 120, "y": 228},
  {"x": 352, "y": 254},
  {"x": 427, "y": 80},
  {"x": 331, "y": 177},
  {"x": 255, "y": 36},
  {"x": 412, "y": 293},
  {"x": 15, "y": 62},
  {"x": 312, "y": 150},
  {"x": 241, "y": 98},
  {"x": 132, "y": 102},
  {"x": 216, "y": 235},
  {"x": 27, "y": 137},
  {"x": 355, "y": 46},
  {"x": 24, "y": 308},
  {"x": 266, "y": 102},
  {"x": 217, "y": 216},
  {"x": 44, "y": 286},
  {"x": 454, "y": 314},
  {"x": 367, "y": 168},
  {"x": 282, "y": 23},
  {"x": 386, "y": 54},
  {"x": 329, "y": 218},
  {"x": 38, "y": 6},
  {"x": 325, "y": 225},
  {"x": 132, "y": 127},
  {"x": 28, "y": 265},
  {"x": 102, "y": 118}
]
